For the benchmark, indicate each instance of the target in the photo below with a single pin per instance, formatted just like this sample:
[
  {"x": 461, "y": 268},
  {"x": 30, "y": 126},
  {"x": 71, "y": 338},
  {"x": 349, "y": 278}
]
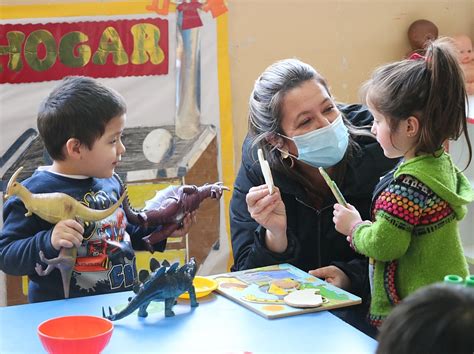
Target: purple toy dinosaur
[{"x": 169, "y": 207}]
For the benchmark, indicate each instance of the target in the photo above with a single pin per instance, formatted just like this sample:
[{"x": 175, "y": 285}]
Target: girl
[{"x": 414, "y": 237}]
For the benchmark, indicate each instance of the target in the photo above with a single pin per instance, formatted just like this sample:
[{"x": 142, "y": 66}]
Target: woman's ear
[
  {"x": 279, "y": 143},
  {"x": 275, "y": 140},
  {"x": 412, "y": 126},
  {"x": 73, "y": 148}
]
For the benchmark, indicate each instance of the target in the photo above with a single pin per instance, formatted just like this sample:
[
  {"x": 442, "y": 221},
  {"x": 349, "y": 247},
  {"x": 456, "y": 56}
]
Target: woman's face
[{"x": 304, "y": 109}]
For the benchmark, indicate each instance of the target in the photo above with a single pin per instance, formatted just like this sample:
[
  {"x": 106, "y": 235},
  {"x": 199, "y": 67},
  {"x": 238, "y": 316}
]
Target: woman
[{"x": 296, "y": 122}]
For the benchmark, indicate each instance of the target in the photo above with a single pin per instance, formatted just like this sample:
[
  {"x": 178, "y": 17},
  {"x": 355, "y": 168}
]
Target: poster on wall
[
  {"x": 51, "y": 51},
  {"x": 166, "y": 59}
]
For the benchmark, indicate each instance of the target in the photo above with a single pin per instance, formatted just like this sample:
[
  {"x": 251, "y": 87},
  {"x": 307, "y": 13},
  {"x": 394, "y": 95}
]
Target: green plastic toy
[{"x": 456, "y": 279}]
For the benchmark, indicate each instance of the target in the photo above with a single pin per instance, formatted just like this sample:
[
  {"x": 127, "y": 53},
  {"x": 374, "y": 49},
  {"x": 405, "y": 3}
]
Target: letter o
[{"x": 35, "y": 39}]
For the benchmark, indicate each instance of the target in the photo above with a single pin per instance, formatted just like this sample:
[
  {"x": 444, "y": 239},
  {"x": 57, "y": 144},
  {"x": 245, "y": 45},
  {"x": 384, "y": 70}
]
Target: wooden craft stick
[
  {"x": 267, "y": 173},
  {"x": 333, "y": 186}
]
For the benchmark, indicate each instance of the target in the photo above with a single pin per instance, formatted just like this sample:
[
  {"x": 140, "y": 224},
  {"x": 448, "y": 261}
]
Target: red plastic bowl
[{"x": 75, "y": 334}]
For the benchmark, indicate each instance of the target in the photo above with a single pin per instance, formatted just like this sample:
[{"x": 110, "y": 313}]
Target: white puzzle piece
[{"x": 304, "y": 298}]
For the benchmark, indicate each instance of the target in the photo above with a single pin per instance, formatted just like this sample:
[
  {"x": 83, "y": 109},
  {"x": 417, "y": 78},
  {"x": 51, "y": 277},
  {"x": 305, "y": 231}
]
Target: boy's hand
[
  {"x": 67, "y": 234},
  {"x": 345, "y": 218},
  {"x": 188, "y": 221}
]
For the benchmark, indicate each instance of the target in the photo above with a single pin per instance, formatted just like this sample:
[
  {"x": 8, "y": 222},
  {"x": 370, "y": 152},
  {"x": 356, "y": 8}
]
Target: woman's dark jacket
[{"x": 313, "y": 241}]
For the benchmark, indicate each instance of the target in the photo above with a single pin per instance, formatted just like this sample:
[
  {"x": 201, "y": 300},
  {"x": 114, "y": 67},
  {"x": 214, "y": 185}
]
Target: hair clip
[{"x": 416, "y": 56}]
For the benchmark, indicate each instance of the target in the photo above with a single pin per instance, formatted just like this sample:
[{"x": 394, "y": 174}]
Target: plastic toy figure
[
  {"x": 169, "y": 207},
  {"x": 466, "y": 60},
  {"x": 163, "y": 284}
]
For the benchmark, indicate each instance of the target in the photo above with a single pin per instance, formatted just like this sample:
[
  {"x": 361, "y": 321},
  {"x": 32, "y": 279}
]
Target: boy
[
  {"x": 436, "y": 319},
  {"x": 81, "y": 124}
]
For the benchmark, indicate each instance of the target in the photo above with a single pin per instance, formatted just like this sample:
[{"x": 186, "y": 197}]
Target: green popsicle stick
[{"x": 333, "y": 186}]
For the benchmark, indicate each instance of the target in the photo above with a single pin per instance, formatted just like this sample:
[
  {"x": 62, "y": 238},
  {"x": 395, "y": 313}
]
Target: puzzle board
[{"x": 256, "y": 289}]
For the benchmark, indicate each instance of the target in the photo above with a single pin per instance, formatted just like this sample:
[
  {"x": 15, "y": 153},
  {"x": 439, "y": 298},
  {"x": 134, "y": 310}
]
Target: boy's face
[{"x": 101, "y": 160}]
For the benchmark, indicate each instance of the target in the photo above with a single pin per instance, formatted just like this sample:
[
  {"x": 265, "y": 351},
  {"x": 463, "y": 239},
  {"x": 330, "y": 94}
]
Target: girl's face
[
  {"x": 306, "y": 108},
  {"x": 394, "y": 144}
]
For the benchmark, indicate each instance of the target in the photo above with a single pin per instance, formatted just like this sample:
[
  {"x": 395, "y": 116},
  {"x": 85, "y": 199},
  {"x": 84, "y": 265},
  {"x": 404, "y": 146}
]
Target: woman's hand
[
  {"x": 345, "y": 218},
  {"x": 269, "y": 211},
  {"x": 334, "y": 276}
]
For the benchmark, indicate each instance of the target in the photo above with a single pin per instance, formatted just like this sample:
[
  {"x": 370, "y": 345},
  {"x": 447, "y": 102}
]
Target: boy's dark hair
[
  {"x": 431, "y": 89},
  {"x": 78, "y": 107},
  {"x": 436, "y": 319}
]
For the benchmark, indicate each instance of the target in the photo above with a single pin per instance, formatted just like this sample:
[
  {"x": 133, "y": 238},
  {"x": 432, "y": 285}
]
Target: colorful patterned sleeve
[{"x": 400, "y": 210}]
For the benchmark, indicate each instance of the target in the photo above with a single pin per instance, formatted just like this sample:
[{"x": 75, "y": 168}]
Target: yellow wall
[{"x": 344, "y": 39}]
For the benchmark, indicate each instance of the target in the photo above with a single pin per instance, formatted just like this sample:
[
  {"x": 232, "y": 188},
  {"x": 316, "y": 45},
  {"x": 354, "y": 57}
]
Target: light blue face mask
[{"x": 323, "y": 147}]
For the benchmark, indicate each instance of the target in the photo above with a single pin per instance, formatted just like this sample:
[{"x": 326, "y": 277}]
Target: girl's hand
[
  {"x": 67, "y": 234},
  {"x": 345, "y": 218},
  {"x": 269, "y": 211}
]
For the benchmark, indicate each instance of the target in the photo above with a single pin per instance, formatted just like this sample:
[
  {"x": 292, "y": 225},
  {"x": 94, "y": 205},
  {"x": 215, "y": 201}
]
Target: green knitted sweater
[{"x": 414, "y": 238}]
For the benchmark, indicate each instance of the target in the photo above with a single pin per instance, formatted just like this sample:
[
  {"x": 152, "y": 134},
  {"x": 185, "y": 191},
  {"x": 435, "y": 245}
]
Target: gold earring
[
  {"x": 292, "y": 161},
  {"x": 285, "y": 155}
]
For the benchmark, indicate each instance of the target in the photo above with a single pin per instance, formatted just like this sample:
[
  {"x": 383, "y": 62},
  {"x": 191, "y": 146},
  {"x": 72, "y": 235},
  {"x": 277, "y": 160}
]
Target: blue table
[{"x": 218, "y": 325}]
